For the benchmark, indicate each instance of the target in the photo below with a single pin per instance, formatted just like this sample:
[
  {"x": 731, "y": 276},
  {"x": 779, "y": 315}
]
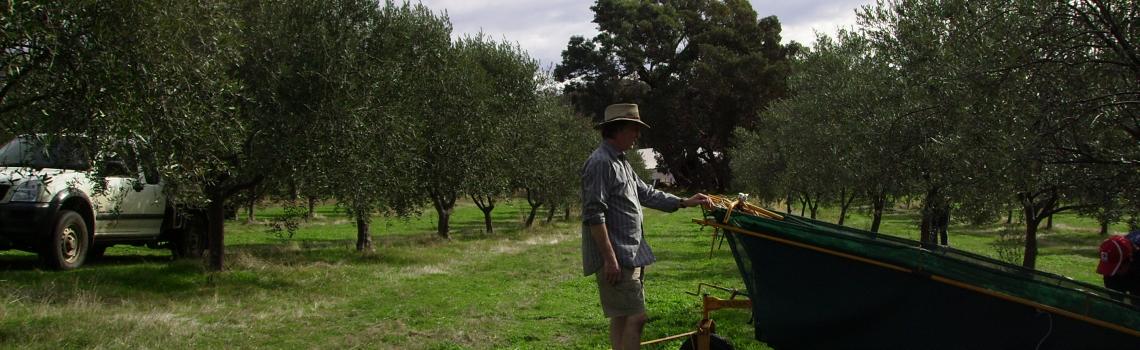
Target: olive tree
[
  {"x": 558, "y": 142},
  {"x": 507, "y": 87},
  {"x": 365, "y": 159},
  {"x": 468, "y": 122}
]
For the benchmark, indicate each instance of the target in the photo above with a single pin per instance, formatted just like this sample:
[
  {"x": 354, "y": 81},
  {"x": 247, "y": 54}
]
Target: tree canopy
[
  {"x": 372, "y": 104},
  {"x": 697, "y": 69},
  {"x": 971, "y": 106}
]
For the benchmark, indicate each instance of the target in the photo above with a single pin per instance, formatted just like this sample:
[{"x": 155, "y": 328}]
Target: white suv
[{"x": 55, "y": 200}]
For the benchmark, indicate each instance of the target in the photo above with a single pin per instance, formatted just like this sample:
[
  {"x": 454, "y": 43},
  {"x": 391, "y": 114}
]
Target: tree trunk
[
  {"x": 1103, "y": 227},
  {"x": 1031, "y": 223},
  {"x": 363, "y": 235},
  {"x": 1009, "y": 217},
  {"x": 812, "y": 204},
  {"x": 929, "y": 226},
  {"x": 442, "y": 227},
  {"x": 486, "y": 205},
  {"x": 444, "y": 206},
  {"x": 567, "y": 216},
  {"x": 788, "y": 204},
  {"x": 534, "y": 202},
  {"x": 530, "y": 218},
  {"x": 1035, "y": 207},
  {"x": 804, "y": 204},
  {"x": 1049, "y": 222},
  {"x": 844, "y": 203},
  {"x": 925, "y": 228},
  {"x": 814, "y": 208},
  {"x": 249, "y": 208},
  {"x": 877, "y": 205},
  {"x": 487, "y": 227},
  {"x": 216, "y": 215},
  {"x": 312, "y": 206},
  {"x": 944, "y": 224},
  {"x": 550, "y": 215}
]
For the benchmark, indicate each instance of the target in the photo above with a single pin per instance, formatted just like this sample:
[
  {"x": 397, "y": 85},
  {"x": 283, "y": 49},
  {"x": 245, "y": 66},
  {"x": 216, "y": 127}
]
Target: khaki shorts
[{"x": 625, "y": 298}]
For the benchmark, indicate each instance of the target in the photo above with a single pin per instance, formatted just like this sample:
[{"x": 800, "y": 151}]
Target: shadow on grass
[
  {"x": 31, "y": 262},
  {"x": 116, "y": 277},
  {"x": 111, "y": 277},
  {"x": 19, "y": 263},
  {"x": 388, "y": 250},
  {"x": 1080, "y": 244}
]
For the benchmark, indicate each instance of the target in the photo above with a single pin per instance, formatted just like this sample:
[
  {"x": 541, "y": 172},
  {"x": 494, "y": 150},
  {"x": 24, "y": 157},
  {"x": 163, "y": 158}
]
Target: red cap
[{"x": 1115, "y": 252}]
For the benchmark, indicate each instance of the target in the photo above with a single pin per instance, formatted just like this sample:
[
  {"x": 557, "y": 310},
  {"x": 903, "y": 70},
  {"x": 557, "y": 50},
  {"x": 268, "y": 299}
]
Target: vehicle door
[{"x": 126, "y": 205}]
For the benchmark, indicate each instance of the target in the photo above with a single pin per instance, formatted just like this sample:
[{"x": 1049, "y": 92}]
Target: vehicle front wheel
[{"x": 68, "y": 244}]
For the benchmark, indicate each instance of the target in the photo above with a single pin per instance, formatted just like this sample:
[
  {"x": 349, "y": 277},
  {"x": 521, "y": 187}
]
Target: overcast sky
[{"x": 543, "y": 27}]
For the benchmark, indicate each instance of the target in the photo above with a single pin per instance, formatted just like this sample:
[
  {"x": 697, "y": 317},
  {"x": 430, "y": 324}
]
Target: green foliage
[
  {"x": 697, "y": 70},
  {"x": 557, "y": 142},
  {"x": 968, "y": 105},
  {"x": 1009, "y": 244},
  {"x": 503, "y": 77},
  {"x": 469, "y": 123},
  {"x": 364, "y": 156},
  {"x": 370, "y": 103},
  {"x": 633, "y": 156},
  {"x": 286, "y": 225}
]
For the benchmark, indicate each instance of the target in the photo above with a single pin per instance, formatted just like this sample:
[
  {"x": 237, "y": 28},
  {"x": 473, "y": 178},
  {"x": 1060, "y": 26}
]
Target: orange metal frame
[{"x": 706, "y": 327}]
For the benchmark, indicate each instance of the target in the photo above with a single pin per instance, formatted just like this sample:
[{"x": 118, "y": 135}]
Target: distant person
[
  {"x": 1119, "y": 264},
  {"x": 613, "y": 244},
  {"x": 942, "y": 224}
]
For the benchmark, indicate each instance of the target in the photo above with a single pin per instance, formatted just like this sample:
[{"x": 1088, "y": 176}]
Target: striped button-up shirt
[{"x": 612, "y": 194}]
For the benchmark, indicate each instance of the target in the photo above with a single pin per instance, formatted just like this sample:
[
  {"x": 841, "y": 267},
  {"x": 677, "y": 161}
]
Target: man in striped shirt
[{"x": 613, "y": 245}]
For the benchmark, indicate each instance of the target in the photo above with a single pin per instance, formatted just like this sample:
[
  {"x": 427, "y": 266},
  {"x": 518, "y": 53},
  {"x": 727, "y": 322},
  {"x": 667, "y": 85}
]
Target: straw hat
[{"x": 620, "y": 112}]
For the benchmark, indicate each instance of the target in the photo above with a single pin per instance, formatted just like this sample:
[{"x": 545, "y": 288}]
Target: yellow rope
[{"x": 744, "y": 207}]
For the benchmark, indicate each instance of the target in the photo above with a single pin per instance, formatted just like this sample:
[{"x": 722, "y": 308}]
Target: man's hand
[
  {"x": 695, "y": 200},
  {"x": 612, "y": 272}
]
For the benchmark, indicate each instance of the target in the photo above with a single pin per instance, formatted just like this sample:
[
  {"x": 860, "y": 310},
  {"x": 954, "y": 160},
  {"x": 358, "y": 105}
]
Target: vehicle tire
[
  {"x": 189, "y": 242},
  {"x": 716, "y": 342},
  {"x": 67, "y": 246}
]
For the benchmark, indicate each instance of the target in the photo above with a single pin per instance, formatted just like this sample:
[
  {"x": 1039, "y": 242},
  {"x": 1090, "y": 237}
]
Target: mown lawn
[{"x": 514, "y": 289}]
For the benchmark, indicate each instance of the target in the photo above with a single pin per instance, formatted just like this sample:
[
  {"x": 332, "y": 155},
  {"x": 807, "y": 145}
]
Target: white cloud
[
  {"x": 542, "y": 28},
  {"x": 802, "y": 19}
]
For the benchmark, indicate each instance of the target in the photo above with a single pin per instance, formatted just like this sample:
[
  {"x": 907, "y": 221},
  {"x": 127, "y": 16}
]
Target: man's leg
[
  {"x": 631, "y": 335},
  {"x": 624, "y": 304},
  {"x": 617, "y": 327}
]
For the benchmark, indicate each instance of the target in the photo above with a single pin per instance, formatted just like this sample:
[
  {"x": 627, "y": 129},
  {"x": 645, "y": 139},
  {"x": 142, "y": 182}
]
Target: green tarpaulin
[{"x": 818, "y": 285}]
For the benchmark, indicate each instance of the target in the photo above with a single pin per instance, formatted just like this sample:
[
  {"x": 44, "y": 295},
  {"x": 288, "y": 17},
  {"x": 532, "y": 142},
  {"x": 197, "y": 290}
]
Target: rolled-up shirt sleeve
[{"x": 595, "y": 176}]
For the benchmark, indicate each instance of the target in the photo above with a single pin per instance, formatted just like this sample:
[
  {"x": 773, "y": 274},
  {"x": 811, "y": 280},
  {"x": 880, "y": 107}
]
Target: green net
[{"x": 815, "y": 284}]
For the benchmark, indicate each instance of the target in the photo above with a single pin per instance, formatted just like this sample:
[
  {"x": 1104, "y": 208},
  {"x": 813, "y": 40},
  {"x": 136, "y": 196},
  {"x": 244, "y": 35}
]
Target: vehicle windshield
[{"x": 44, "y": 152}]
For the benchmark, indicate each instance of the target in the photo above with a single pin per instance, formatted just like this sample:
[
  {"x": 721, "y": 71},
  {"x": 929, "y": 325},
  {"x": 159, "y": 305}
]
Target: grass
[{"x": 514, "y": 289}]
